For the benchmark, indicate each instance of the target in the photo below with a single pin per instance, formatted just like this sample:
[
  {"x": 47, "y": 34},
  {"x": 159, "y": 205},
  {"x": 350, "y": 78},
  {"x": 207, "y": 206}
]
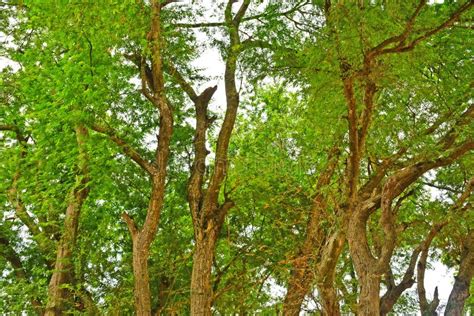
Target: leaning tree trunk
[
  {"x": 304, "y": 270},
  {"x": 460, "y": 291},
  {"x": 58, "y": 293}
]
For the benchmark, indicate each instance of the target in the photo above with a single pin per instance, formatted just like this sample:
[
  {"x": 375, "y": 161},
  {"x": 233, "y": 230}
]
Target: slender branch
[
  {"x": 425, "y": 307},
  {"x": 126, "y": 148},
  {"x": 402, "y": 37},
  {"x": 243, "y": 19},
  {"x": 182, "y": 82},
  {"x": 130, "y": 224},
  {"x": 454, "y": 17}
]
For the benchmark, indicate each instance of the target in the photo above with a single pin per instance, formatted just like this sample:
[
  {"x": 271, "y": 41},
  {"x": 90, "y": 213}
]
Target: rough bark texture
[
  {"x": 201, "y": 288},
  {"x": 361, "y": 203},
  {"x": 154, "y": 91},
  {"x": 327, "y": 274},
  {"x": 304, "y": 271},
  {"x": 208, "y": 213},
  {"x": 460, "y": 291},
  {"x": 58, "y": 293}
]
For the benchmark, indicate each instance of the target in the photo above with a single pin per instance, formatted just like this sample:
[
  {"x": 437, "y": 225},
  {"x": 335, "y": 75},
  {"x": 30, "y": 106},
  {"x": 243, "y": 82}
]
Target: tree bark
[
  {"x": 207, "y": 212},
  {"x": 141, "y": 278},
  {"x": 369, "y": 294},
  {"x": 367, "y": 267},
  {"x": 304, "y": 270},
  {"x": 153, "y": 89},
  {"x": 201, "y": 289},
  {"x": 327, "y": 273},
  {"x": 58, "y": 293},
  {"x": 299, "y": 285},
  {"x": 460, "y": 291}
]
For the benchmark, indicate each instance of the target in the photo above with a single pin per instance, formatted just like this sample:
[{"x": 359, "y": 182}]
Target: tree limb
[{"x": 126, "y": 148}]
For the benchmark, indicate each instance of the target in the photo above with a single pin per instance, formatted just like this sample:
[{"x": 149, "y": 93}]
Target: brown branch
[
  {"x": 127, "y": 149},
  {"x": 463, "y": 279},
  {"x": 241, "y": 12},
  {"x": 402, "y": 37},
  {"x": 366, "y": 117},
  {"x": 354, "y": 159},
  {"x": 200, "y": 25},
  {"x": 182, "y": 82},
  {"x": 130, "y": 224},
  {"x": 195, "y": 183},
  {"x": 210, "y": 202},
  {"x": 405, "y": 48},
  {"x": 243, "y": 19},
  {"x": 394, "y": 292}
]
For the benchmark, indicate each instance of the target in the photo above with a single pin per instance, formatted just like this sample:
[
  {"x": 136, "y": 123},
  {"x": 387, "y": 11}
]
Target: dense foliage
[{"x": 325, "y": 169}]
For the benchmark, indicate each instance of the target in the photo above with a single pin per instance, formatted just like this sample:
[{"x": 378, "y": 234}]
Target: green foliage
[{"x": 77, "y": 67}]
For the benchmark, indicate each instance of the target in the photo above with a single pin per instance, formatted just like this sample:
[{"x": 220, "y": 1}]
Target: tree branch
[
  {"x": 130, "y": 224},
  {"x": 126, "y": 148},
  {"x": 401, "y": 48}
]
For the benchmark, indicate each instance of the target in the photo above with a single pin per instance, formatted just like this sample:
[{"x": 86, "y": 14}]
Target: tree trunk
[
  {"x": 458, "y": 296},
  {"x": 460, "y": 291},
  {"x": 365, "y": 266},
  {"x": 329, "y": 300},
  {"x": 141, "y": 279},
  {"x": 201, "y": 287},
  {"x": 58, "y": 293},
  {"x": 299, "y": 286},
  {"x": 369, "y": 294}
]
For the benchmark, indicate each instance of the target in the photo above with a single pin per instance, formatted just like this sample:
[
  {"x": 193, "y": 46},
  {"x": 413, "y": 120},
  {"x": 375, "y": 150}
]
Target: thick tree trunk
[
  {"x": 365, "y": 266},
  {"x": 201, "y": 287},
  {"x": 460, "y": 291},
  {"x": 458, "y": 296},
  {"x": 369, "y": 294}
]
